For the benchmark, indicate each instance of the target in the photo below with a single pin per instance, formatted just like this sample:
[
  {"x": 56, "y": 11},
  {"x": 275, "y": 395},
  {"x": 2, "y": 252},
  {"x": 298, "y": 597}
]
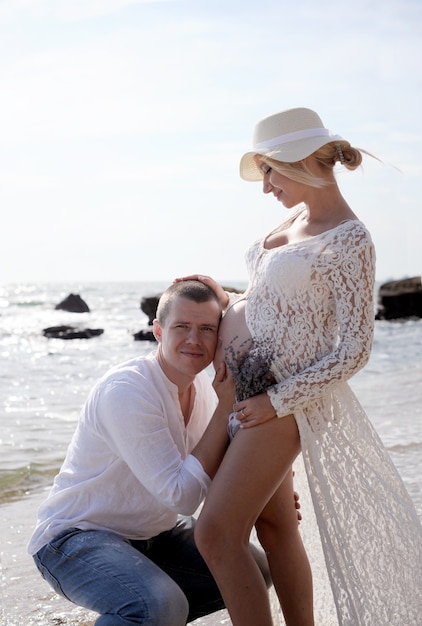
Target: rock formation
[
  {"x": 73, "y": 303},
  {"x": 399, "y": 299},
  {"x": 70, "y": 332}
]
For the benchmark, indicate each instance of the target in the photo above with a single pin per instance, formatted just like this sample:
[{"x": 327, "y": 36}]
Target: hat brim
[{"x": 287, "y": 153}]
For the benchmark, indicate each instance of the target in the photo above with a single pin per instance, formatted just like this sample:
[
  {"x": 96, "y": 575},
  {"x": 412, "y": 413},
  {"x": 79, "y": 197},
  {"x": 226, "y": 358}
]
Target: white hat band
[{"x": 298, "y": 134}]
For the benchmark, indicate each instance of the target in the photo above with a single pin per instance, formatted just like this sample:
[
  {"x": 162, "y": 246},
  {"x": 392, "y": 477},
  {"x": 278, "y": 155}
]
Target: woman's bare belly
[{"x": 233, "y": 333}]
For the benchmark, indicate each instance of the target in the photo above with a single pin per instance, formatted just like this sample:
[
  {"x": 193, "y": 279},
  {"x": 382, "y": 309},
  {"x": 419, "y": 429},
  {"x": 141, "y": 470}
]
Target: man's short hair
[{"x": 191, "y": 290}]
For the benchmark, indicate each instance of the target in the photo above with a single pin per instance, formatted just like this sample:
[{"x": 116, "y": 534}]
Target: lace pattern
[
  {"x": 320, "y": 291},
  {"x": 314, "y": 300}
]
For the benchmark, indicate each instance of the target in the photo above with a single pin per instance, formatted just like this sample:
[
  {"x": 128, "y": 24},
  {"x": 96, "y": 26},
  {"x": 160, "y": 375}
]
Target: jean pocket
[
  {"x": 48, "y": 576},
  {"x": 50, "y": 559}
]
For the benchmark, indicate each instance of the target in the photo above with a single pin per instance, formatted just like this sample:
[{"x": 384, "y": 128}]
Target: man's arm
[{"x": 213, "y": 444}]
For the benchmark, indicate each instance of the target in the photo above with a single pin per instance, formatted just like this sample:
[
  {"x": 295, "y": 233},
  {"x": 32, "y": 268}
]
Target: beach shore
[{"x": 25, "y": 598}]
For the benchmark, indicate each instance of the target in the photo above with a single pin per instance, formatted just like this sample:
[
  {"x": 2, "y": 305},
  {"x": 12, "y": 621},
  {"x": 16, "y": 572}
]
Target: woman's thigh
[
  {"x": 254, "y": 466},
  {"x": 103, "y": 572}
]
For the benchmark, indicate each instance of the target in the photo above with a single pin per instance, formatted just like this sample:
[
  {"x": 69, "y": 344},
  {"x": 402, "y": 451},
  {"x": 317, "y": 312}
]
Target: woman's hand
[
  {"x": 210, "y": 282},
  {"x": 254, "y": 411}
]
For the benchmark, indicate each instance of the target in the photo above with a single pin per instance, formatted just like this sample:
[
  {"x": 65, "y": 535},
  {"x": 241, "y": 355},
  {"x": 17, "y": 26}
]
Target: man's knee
[{"x": 170, "y": 609}]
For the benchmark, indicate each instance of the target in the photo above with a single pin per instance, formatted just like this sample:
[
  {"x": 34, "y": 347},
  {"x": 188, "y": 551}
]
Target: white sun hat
[{"x": 288, "y": 136}]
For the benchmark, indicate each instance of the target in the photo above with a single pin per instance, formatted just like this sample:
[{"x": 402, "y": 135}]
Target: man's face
[{"x": 188, "y": 338}]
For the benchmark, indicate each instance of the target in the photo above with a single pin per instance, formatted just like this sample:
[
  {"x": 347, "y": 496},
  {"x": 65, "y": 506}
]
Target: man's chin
[{"x": 196, "y": 367}]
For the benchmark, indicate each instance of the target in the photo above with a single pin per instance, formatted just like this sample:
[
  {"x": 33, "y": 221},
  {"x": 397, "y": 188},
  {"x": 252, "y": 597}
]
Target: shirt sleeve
[
  {"x": 134, "y": 423},
  {"x": 351, "y": 280}
]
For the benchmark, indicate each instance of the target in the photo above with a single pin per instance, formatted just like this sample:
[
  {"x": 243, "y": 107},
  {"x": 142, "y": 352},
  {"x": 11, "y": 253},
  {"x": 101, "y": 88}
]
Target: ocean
[{"x": 44, "y": 382}]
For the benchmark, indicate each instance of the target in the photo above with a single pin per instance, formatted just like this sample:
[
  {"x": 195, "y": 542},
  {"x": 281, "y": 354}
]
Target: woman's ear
[{"x": 156, "y": 329}]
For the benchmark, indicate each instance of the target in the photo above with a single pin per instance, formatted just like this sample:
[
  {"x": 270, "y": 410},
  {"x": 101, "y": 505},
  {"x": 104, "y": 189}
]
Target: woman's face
[{"x": 287, "y": 191}]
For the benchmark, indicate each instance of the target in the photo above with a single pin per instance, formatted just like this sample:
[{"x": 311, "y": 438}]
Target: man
[{"x": 145, "y": 450}]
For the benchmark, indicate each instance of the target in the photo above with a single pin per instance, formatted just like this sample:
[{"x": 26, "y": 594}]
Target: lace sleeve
[{"x": 349, "y": 271}]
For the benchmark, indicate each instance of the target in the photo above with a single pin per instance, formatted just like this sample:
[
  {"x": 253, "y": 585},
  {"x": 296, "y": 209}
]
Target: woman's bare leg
[
  {"x": 255, "y": 465},
  {"x": 278, "y": 532}
]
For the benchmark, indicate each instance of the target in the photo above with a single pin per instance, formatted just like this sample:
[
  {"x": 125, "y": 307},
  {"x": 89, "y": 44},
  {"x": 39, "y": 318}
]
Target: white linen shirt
[{"x": 128, "y": 468}]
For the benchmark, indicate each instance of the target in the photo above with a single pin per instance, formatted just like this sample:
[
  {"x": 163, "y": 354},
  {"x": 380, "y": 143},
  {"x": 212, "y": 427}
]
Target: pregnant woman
[{"x": 303, "y": 328}]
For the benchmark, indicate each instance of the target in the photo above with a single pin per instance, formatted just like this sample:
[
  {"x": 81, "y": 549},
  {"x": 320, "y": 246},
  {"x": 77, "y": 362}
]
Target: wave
[
  {"x": 23, "y": 481},
  {"x": 405, "y": 448},
  {"x": 29, "y": 303}
]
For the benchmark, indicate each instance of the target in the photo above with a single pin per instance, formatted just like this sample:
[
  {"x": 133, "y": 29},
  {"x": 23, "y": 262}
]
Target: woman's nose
[{"x": 266, "y": 185}]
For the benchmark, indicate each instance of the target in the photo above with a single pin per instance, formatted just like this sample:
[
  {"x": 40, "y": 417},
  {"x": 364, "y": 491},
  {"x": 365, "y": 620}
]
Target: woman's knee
[
  {"x": 210, "y": 537},
  {"x": 261, "y": 560},
  {"x": 204, "y": 536},
  {"x": 275, "y": 537},
  {"x": 268, "y": 535}
]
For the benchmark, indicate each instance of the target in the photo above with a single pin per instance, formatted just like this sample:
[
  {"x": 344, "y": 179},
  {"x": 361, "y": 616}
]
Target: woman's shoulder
[
  {"x": 354, "y": 228},
  {"x": 345, "y": 244}
]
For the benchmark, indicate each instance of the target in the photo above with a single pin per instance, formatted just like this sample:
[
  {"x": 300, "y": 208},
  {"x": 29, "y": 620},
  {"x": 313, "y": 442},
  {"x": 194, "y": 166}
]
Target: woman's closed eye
[{"x": 265, "y": 169}]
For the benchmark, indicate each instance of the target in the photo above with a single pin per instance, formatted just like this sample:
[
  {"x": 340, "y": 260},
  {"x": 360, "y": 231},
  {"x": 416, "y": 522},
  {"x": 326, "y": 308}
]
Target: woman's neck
[{"x": 326, "y": 206}]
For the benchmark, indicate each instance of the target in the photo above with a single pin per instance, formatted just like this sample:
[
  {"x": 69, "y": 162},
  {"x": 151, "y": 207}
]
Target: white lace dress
[{"x": 313, "y": 301}]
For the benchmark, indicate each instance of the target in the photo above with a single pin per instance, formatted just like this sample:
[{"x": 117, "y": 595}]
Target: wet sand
[{"x": 27, "y": 600}]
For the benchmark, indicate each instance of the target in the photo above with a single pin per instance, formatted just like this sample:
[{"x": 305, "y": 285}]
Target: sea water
[{"x": 44, "y": 382}]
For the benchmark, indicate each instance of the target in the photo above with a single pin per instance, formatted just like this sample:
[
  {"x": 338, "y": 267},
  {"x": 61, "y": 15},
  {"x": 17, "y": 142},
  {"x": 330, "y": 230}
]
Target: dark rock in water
[
  {"x": 144, "y": 335},
  {"x": 149, "y": 306},
  {"x": 400, "y": 299},
  {"x": 74, "y": 304},
  {"x": 70, "y": 332},
  {"x": 149, "y": 303}
]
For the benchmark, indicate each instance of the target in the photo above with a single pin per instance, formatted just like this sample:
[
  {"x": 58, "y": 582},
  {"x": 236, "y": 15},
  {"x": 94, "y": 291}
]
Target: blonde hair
[{"x": 327, "y": 156}]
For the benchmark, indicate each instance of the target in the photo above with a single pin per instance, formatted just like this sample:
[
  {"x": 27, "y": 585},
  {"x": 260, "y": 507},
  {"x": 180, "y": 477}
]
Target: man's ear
[{"x": 156, "y": 329}]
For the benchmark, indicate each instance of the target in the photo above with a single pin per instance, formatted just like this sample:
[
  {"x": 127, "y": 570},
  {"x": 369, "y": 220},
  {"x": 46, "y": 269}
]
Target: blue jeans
[{"x": 161, "y": 581}]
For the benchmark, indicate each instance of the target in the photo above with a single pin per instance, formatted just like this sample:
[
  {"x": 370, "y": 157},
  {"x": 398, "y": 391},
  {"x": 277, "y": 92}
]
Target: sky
[{"x": 122, "y": 123}]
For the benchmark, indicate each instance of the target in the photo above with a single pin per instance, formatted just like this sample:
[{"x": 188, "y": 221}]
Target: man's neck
[{"x": 187, "y": 399}]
